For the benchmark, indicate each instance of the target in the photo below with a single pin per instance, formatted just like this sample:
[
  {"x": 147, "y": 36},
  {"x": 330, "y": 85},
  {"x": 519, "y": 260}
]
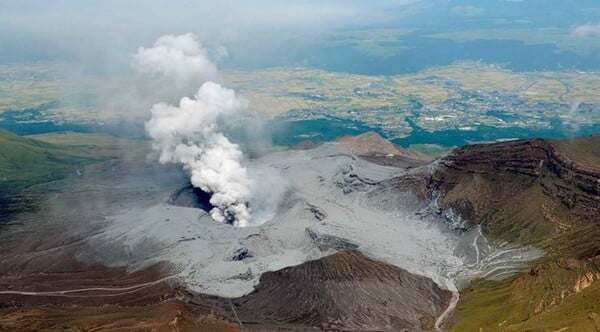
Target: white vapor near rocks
[{"x": 189, "y": 134}]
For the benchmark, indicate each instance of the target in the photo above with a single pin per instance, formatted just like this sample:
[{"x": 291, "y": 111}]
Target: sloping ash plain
[{"x": 333, "y": 200}]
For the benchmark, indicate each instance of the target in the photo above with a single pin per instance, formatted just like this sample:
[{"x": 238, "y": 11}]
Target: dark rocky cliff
[{"x": 525, "y": 163}]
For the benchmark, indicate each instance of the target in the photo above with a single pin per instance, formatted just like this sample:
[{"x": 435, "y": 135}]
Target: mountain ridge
[{"x": 538, "y": 192}]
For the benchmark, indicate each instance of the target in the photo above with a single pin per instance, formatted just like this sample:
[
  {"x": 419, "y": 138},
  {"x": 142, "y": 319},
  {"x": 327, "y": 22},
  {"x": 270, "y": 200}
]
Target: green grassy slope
[
  {"x": 561, "y": 291},
  {"x": 25, "y": 161}
]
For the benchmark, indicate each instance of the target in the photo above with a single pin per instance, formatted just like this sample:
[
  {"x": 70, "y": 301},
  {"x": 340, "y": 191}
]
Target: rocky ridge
[
  {"x": 343, "y": 291},
  {"x": 529, "y": 162}
]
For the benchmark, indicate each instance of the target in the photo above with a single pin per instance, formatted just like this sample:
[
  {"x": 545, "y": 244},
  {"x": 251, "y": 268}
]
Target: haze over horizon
[{"x": 254, "y": 35}]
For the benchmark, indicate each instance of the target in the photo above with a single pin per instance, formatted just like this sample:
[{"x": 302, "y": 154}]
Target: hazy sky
[
  {"x": 221, "y": 21},
  {"x": 106, "y": 32}
]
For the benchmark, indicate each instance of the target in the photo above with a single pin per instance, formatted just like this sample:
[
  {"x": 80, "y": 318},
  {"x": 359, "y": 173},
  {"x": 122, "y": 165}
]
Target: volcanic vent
[{"x": 190, "y": 196}]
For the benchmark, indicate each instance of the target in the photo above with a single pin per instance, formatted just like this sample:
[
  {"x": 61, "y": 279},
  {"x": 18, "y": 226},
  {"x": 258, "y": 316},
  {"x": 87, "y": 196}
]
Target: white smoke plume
[
  {"x": 189, "y": 132},
  {"x": 177, "y": 57}
]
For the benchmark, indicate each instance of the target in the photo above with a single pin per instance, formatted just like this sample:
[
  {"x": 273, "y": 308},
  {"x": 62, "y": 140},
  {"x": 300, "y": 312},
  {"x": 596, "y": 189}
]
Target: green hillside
[{"x": 25, "y": 161}]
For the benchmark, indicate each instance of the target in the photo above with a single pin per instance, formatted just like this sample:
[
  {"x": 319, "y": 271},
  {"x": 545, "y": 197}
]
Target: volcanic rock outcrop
[
  {"x": 374, "y": 148},
  {"x": 343, "y": 291},
  {"x": 510, "y": 185}
]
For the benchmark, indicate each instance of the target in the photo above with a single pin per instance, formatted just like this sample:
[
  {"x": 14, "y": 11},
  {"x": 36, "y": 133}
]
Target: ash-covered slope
[
  {"x": 334, "y": 200},
  {"x": 286, "y": 273},
  {"x": 346, "y": 290}
]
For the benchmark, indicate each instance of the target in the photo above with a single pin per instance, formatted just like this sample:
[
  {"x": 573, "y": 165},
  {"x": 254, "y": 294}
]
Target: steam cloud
[
  {"x": 178, "y": 57},
  {"x": 189, "y": 133}
]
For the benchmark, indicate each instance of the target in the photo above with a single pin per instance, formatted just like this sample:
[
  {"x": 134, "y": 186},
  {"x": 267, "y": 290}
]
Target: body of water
[{"x": 291, "y": 132}]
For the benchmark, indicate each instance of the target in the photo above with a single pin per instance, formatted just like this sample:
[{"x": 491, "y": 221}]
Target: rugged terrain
[
  {"x": 370, "y": 146},
  {"x": 104, "y": 248},
  {"x": 549, "y": 175},
  {"x": 544, "y": 193},
  {"x": 87, "y": 284},
  {"x": 43, "y": 286},
  {"x": 345, "y": 290}
]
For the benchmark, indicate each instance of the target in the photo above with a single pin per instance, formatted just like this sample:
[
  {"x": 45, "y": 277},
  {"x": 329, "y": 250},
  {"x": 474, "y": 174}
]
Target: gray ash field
[{"x": 333, "y": 200}]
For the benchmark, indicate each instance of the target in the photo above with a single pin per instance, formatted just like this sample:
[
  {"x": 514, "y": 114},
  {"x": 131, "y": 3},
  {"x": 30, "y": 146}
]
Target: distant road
[{"x": 66, "y": 293}]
